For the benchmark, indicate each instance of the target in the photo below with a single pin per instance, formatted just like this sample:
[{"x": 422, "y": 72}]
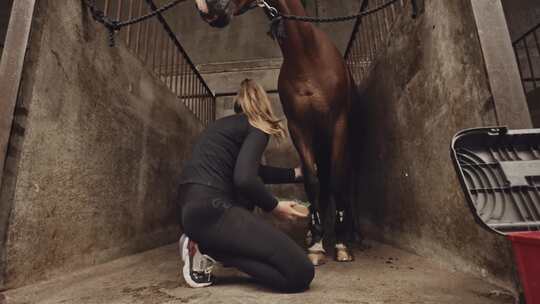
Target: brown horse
[{"x": 316, "y": 92}]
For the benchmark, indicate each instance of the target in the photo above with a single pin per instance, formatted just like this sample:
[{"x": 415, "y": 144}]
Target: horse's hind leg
[
  {"x": 305, "y": 147},
  {"x": 340, "y": 189}
]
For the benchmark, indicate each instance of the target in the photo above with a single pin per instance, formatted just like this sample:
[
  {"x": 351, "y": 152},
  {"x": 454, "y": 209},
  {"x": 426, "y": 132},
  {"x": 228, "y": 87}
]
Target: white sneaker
[{"x": 197, "y": 270}]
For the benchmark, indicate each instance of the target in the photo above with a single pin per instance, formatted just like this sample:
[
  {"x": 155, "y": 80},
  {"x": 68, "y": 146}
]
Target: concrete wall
[
  {"x": 429, "y": 83},
  {"x": 95, "y": 155}
]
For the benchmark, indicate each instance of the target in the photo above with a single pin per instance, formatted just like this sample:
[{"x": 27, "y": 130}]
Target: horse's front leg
[
  {"x": 340, "y": 189},
  {"x": 305, "y": 148}
]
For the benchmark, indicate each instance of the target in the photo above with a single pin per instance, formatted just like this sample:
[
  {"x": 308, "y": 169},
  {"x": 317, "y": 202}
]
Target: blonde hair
[{"x": 256, "y": 105}]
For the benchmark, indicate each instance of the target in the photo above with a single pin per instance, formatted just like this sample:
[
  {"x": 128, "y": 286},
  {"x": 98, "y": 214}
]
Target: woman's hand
[{"x": 285, "y": 210}]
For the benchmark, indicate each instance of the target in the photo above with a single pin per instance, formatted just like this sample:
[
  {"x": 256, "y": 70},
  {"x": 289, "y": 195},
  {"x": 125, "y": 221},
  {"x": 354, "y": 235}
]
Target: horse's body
[{"x": 316, "y": 92}]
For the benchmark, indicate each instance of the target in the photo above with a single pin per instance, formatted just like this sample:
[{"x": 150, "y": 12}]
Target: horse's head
[{"x": 218, "y": 13}]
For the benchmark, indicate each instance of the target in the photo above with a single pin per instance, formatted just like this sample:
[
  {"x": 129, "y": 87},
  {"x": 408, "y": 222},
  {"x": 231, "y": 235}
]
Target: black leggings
[{"x": 236, "y": 237}]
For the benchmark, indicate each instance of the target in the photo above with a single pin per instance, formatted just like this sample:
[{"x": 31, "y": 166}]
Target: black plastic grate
[{"x": 500, "y": 172}]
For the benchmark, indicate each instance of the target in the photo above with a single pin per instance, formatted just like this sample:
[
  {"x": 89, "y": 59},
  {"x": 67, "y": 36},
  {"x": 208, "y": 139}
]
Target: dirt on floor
[{"x": 380, "y": 274}]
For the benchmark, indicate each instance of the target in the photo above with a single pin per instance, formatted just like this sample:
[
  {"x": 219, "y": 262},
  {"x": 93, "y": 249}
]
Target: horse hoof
[
  {"x": 317, "y": 258},
  {"x": 343, "y": 254}
]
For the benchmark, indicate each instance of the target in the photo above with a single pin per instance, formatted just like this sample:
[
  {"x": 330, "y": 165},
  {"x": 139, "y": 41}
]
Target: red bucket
[{"x": 527, "y": 253}]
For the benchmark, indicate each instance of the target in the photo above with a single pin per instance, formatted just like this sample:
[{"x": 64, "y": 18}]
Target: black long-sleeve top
[{"x": 227, "y": 156}]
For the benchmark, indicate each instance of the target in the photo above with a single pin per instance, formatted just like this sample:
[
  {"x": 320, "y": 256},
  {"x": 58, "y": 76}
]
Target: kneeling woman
[{"x": 220, "y": 186}]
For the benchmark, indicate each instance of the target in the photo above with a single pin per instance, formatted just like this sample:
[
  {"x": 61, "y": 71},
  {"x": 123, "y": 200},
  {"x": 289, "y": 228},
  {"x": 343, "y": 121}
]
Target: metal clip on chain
[{"x": 271, "y": 10}]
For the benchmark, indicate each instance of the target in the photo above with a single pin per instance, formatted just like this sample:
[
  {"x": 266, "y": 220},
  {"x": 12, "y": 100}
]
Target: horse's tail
[
  {"x": 357, "y": 123},
  {"x": 355, "y": 149}
]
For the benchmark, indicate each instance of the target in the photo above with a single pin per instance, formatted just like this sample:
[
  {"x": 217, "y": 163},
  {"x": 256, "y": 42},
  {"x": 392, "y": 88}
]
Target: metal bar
[
  {"x": 386, "y": 20},
  {"x": 375, "y": 31},
  {"x": 361, "y": 50},
  {"x": 208, "y": 101},
  {"x": 231, "y": 94},
  {"x": 379, "y": 30},
  {"x": 176, "y": 72},
  {"x": 172, "y": 50},
  {"x": 373, "y": 39},
  {"x": 119, "y": 9},
  {"x": 537, "y": 43},
  {"x": 187, "y": 90},
  {"x": 356, "y": 55},
  {"x": 526, "y": 34},
  {"x": 168, "y": 29},
  {"x": 162, "y": 42},
  {"x": 107, "y": 7},
  {"x": 182, "y": 79},
  {"x": 537, "y": 49},
  {"x": 393, "y": 10},
  {"x": 198, "y": 99},
  {"x": 189, "y": 86},
  {"x": 130, "y": 15},
  {"x": 154, "y": 48},
  {"x": 146, "y": 36},
  {"x": 207, "y": 109},
  {"x": 519, "y": 67},
  {"x": 356, "y": 27},
  {"x": 150, "y": 27},
  {"x": 213, "y": 108},
  {"x": 118, "y": 16},
  {"x": 11, "y": 69},
  {"x": 166, "y": 64},
  {"x": 193, "y": 91},
  {"x": 203, "y": 103},
  {"x": 528, "y": 79},
  {"x": 531, "y": 68},
  {"x": 201, "y": 100},
  {"x": 172, "y": 63},
  {"x": 139, "y": 26}
]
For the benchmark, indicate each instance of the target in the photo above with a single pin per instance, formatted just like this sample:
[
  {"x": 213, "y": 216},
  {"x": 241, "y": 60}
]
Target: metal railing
[
  {"x": 527, "y": 50},
  {"x": 155, "y": 43},
  {"x": 369, "y": 36}
]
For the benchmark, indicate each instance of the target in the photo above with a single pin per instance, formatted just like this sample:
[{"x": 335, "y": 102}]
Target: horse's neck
[{"x": 299, "y": 35}]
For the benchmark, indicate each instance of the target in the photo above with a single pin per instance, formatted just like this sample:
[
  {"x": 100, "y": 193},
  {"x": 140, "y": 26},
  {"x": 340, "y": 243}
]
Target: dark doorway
[{"x": 5, "y": 12}]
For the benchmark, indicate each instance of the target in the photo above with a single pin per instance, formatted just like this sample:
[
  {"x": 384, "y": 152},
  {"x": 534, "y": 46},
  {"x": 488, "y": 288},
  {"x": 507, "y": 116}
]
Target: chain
[
  {"x": 343, "y": 18},
  {"x": 115, "y": 25},
  {"x": 275, "y": 15}
]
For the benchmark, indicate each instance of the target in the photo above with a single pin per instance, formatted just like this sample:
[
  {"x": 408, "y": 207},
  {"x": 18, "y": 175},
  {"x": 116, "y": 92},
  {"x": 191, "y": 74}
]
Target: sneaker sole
[{"x": 187, "y": 265}]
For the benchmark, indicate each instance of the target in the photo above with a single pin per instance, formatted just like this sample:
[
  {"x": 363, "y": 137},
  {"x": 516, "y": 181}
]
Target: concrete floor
[{"x": 380, "y": 274}]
